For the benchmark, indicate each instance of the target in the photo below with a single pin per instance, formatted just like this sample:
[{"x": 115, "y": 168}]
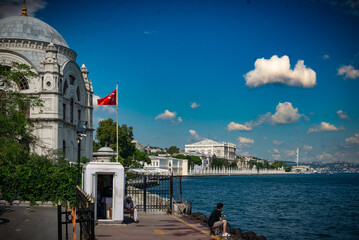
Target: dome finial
[{"x": 24, "y": 10}]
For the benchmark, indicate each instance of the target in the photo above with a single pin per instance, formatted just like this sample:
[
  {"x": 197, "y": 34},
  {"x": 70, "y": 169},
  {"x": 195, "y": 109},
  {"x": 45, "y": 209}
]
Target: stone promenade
[
  {"x": 154, "y": 226},
  {"x": 17, "y": 223}
]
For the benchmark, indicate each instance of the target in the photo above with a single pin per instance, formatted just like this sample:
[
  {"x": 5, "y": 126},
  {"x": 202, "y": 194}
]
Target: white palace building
[
  {"x": 210, "y": 148},
  {"x": 63, "y": 86}
]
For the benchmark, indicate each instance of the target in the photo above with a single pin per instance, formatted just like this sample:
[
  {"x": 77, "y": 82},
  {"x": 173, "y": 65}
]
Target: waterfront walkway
[
  {"x": 155, "y": 226},
  {"x": 38, "y": 223}
]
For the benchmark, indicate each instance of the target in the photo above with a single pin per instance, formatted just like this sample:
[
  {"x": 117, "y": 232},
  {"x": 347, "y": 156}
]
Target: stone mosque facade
[{"x": 63, "y": 86}]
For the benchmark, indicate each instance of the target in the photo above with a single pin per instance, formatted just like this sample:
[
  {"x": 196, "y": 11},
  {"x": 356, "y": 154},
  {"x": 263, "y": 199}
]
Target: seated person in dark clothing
[{"x": 216, "y": 219}]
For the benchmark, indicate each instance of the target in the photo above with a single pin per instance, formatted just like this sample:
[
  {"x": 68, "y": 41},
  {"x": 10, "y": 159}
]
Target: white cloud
[
  {"x": 275, "y": 142},
  {"x": 179, "y": 120},
  {"x": 195, "y": 136},
  {"x": 277, "y": 70},
  {"x": 289, "y": 153},
  {"x": 10, "y": 8},
  {"x": 166, "y": 115},
  {"x": 342, "y": 115},
  {"x": 354, "y": 139},
  {"x": 195, "y": 105},
  {"x": 307, "y": 148},
  {"x": 349, "y": 72},
  {"x": 326, "y": 56},
  {"x": 238, "y": 127},
  {"x": 275, "y": 150},
  {"x": 245, "y": 140},
  {"x": 324, "y": 127},
  {"x": 97, "y": 120},
  {"x": 107, "y": 108},
  {"x": 150, "y": 32},
  {"x": 324, "y": 156},
  {"x": 276, "y": 156},
  {"x": 285, "y": 114}
]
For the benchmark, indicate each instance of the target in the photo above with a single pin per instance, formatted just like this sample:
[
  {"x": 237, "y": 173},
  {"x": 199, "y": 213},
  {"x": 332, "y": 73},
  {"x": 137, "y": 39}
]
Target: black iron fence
[
  {"x": 151, "y": 192},
  {"x": 82, "y": 214}
]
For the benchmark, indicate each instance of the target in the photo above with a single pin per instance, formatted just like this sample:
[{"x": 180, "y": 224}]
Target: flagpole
[{"x": 117, "y": 122}]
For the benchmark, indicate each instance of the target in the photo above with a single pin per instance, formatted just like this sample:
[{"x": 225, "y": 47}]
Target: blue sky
[{"x": 167, "y": 55}]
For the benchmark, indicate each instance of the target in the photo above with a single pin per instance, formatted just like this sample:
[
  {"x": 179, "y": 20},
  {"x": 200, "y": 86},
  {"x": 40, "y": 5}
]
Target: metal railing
[
  {"x": 83, "y": 213},
  {"x": 151, "y": 192}
]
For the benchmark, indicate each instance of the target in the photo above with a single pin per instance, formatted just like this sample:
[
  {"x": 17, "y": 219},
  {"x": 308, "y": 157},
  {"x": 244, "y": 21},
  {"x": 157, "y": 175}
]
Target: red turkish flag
[{"x": 109, "y": 100}]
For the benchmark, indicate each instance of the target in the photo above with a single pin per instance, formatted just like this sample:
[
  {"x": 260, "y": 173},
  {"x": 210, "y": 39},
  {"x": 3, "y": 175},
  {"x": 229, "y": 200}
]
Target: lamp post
[{"x": 80, "y": 130}]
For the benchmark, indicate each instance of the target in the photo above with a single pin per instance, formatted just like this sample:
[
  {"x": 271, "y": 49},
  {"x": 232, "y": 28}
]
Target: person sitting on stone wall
[
  {"x": 216, "y": 220},
  {"x": 130, "y": 207}
]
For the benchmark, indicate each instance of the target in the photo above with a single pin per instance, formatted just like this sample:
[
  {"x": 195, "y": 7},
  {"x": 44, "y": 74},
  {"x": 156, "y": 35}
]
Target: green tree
[
  {"x": 16, "y": 129},
  {"x": 172, "y": 150},
  {"x": 106, "y": 136},
  {"x": 192, "y": 160},
  {"x": 277, "y": 164},
  {"x": 96, "y": 146},
  {"x": 181, "y": 156},
  {"x": 219, "y": 162},
  {"x": 288, "y": 168},
  {"x": 141, "y": 156},
  {"x": 234, "y": 164}
]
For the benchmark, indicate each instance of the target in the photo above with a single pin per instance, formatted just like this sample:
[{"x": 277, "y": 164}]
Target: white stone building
[
  {"x": 174, "y": 165},
  {"x": 210, "y": 148},
  {"x": 63, "y": 86}
]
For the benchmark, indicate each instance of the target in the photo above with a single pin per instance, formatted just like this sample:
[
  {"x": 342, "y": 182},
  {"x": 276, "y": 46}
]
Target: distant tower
[{"x": 297, "y": 152}]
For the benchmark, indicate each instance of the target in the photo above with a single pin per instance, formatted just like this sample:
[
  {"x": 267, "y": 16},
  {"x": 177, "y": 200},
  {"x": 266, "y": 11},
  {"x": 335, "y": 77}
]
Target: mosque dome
[{"x": 29, "y": 28}]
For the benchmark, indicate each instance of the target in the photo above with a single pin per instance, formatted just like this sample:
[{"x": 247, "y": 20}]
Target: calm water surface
[{"x": 282, "y": 206}]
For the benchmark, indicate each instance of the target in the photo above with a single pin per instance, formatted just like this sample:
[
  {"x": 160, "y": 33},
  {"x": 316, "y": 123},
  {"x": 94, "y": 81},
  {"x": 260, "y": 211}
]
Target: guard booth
[{"x": 104, "y": 181}]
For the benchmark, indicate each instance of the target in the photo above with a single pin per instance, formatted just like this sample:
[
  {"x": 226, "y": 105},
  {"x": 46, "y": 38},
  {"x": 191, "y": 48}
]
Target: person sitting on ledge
[
  {"x": 130, "y": 207},
  {"x": 216, "y": 220}
]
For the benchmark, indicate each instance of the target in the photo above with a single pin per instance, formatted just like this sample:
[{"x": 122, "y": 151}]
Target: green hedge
[{"x": 38, "y": 181}]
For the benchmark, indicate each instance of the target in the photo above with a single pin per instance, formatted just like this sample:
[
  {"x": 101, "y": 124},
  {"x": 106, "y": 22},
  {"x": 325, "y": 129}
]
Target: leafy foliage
[
  {"x": 141, "y": 156},
  {"x": 106, "y": 136},
  {"x": 129, "y": 156},
  {"x": 288, "y": 168},
  {"x": 219, "y": 163},
  {"x": 16, "y": 132},
  {"x": 172, "y": 150},
  {"x": 192, "y": 160},
  {"x": 38, "y": 180},
  {"x": 234, "y": 164}
]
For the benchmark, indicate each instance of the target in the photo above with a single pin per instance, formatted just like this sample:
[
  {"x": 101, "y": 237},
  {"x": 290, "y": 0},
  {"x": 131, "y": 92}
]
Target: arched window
[
  {"x": 23, "y": 84},
  {"x": 72, "y": 110},
  {"x": 78, "y": 94},
  {"x": 72, "y": 80},
  {"x": 66, "y": 86}
]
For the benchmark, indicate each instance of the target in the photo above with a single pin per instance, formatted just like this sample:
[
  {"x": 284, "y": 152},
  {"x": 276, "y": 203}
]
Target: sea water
[{"x": 305, "y": 206}]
